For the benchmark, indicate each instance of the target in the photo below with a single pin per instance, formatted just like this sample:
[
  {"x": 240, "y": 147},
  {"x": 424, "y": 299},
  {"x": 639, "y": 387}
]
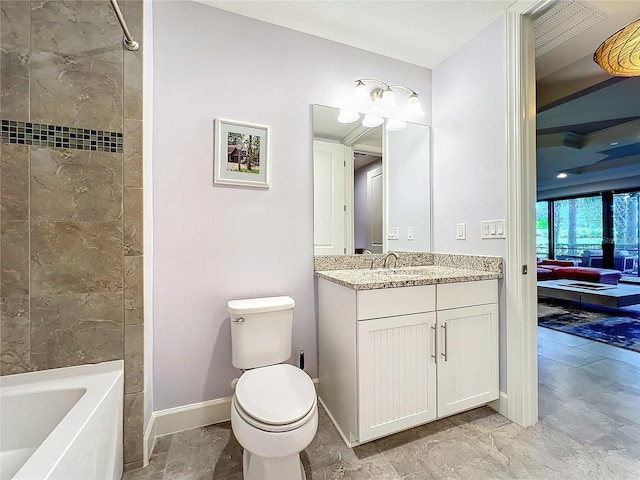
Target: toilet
[{"x": 274, "y": 411}]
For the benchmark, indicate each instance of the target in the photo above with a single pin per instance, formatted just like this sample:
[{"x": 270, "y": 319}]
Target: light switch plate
[
  {"x": 410, "y": 233},
  {"x": 461, "y": 231},
  {"x": 493, "y": 229},
  {"x": 393, "y": 233}
]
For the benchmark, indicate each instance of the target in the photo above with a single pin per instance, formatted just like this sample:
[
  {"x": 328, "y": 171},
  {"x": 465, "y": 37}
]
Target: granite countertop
[{"x": 368, "y": 279}]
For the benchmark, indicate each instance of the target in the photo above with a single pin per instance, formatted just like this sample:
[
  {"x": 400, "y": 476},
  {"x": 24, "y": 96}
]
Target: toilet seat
[{"x": 276, "y": 398}]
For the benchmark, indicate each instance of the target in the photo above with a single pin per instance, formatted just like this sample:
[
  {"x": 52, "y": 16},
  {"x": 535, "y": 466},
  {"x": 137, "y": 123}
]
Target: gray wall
[
  {"x": 408, "y": 171},
  {"x": 71, "y": 217},
  {"x": 212, "y": 243},
  {"x": 361, "y": 206}
]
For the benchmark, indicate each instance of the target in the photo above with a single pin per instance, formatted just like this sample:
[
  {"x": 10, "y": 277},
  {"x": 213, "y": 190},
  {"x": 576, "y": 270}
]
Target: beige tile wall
[{"x": 71, "y": 251}]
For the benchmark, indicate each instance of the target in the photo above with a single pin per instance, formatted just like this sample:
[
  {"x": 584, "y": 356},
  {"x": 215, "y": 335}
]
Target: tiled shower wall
[{"x": 71, "y": 193}]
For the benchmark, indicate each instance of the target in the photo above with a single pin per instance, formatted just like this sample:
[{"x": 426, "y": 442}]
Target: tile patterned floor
[{"x": 589, "y": 428}]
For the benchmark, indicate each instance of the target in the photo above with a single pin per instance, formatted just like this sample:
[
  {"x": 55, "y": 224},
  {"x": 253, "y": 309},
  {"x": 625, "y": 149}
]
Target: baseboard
[
  {"x": 500, "y": 405},
  {"x": 337, "y": 426},
  {"x": 148, "y": 441},
  {"x": 173, "y": 420}
]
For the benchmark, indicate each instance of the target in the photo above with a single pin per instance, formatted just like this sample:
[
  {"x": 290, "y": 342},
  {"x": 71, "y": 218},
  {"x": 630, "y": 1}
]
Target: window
[
  {"x": 577, "y": 227},
  {"x": 626, "y": 231},
  {"x": 542, "y": 229}
]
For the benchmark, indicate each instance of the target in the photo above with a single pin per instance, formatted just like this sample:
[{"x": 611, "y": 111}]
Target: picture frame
[{"x": 241, "y": 154}]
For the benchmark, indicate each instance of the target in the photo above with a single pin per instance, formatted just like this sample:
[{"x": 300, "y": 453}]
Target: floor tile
[
  {"x": 568, "y": 355},
  {"x": 589, "y": 428},
  {"x": 573, "y": 381},
  {"x": 619, "y": 402},
  {"x": 621, "y": 373},
  {"x": 614, "y": 353},
  {"x": 561, "y": 337}
]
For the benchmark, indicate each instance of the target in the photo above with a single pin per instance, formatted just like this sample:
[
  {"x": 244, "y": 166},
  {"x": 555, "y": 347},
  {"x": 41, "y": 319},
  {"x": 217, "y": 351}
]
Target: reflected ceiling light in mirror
[
  {"x": 395, "y": 125},
  {"x": 619, "y": 55},
  {"x": 347, "y": 116},
  {"x": 372, "y": 121},
  {"x": 561, "y": 175}
]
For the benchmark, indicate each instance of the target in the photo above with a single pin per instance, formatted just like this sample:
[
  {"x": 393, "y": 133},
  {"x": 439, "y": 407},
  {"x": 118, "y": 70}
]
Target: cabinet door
[
  {"x": 396, "y": 374},
  {"x": 468, "y": 358}
]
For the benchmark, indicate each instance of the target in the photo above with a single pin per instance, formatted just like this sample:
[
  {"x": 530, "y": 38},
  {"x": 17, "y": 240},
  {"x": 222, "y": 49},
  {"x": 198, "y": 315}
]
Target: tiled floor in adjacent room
[{"x": 589, "y": 428}]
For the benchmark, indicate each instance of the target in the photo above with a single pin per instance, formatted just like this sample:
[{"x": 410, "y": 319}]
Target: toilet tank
[{"x": 260, "y": 331}]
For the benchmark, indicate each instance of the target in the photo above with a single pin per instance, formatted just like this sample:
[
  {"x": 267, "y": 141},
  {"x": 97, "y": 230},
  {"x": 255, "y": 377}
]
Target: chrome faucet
[{"x": 386, "y": 259}]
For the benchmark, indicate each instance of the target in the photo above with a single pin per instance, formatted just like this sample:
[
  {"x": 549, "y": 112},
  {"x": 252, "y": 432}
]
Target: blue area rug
[{"x": 616, "y": 326}]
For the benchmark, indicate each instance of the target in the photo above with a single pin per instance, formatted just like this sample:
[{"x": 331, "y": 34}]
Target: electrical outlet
[
  {"x": 410, "y": 233},
  {"x": 461, "y": 231}
]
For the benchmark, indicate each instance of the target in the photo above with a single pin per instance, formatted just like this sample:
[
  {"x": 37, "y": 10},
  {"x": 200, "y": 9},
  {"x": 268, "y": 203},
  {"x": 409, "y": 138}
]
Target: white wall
[
  {"x": 213, "y": 244},
  {"x": 469, "y": 163}
]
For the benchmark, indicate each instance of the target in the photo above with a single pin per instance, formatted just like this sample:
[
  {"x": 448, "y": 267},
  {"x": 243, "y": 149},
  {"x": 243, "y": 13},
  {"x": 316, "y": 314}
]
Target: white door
[
  {"x": 374, "y": 199},
  {"x": 328, "y": 198},
  {"x": 396, "y": 374},
  {"x": 468, "y": 358}
]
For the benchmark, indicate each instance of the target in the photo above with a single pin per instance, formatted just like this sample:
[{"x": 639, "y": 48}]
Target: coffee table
[{"x": 621, "y": 295}]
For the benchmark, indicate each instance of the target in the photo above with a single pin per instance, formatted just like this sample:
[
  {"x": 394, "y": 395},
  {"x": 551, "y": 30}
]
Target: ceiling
[
  {"x": 422, "y": 32},
  {"x": 580, "y": 116}
]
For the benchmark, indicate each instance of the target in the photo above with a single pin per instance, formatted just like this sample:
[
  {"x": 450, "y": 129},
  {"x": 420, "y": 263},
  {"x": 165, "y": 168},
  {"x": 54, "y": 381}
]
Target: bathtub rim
[{"x": 98, "y": 379}]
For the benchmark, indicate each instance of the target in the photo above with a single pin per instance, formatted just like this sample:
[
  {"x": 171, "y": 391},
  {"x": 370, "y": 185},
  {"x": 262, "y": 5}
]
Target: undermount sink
[
  {"x": 399, "y": 276},
  {"x": 403, "y": 273}
]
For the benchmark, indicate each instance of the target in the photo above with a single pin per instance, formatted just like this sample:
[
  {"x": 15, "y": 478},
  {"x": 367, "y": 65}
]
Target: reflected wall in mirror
[{"x": 371, "y": 187}]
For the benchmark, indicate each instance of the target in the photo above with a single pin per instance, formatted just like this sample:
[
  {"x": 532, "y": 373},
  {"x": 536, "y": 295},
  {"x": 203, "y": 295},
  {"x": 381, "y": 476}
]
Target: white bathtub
[{"x": 64, "y": 423}]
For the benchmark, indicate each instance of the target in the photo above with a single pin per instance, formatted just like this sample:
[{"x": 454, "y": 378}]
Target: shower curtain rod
[{"x": 128, "y": 41}]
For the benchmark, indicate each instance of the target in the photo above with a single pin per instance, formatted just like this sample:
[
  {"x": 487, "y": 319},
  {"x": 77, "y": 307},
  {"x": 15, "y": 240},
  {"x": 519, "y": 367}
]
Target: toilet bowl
[
  {"x": 274, "y": 416},
  {"x": 274, "y": 411}
]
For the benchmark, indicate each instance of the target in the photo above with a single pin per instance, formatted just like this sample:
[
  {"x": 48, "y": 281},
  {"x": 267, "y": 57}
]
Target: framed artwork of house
[{"x": 241, "y": 154}]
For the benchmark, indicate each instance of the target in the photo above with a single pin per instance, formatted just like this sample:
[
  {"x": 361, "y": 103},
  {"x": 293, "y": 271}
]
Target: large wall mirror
[{"x": 371, "y": 186}]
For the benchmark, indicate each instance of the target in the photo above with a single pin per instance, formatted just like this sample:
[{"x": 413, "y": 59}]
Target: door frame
[{"x": 520, "y": 404}]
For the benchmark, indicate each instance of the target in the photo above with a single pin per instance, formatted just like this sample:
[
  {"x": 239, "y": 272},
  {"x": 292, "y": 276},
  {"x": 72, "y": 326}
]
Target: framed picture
[{"x": 241, "y": 154}]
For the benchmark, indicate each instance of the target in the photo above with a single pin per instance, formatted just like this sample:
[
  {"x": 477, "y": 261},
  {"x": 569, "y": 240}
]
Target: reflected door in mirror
[{"x": 329, "y": 198}]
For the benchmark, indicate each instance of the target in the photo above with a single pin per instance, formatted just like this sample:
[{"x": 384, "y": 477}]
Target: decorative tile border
[{"x": 40, "y": 134}]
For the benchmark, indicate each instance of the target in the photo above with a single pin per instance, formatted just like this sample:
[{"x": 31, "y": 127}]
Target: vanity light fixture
[
  {"x": 379, "y": 103},
  {"x": 619, "y": 55}
]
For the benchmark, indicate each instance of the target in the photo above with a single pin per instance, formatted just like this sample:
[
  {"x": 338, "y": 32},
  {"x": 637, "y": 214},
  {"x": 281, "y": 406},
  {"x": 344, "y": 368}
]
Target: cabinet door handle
[
  {"x": 435, "y": 344},
  {"x": 444, "y": 353}
]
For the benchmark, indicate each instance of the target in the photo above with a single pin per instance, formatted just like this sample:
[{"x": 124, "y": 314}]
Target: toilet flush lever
[{"x": 239, "y": 320}]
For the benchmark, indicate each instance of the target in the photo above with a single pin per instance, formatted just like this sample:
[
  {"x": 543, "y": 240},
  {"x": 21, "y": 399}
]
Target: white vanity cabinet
[
  {"x": 468, "y": 366},
  {"x": 386, "y": 363}
]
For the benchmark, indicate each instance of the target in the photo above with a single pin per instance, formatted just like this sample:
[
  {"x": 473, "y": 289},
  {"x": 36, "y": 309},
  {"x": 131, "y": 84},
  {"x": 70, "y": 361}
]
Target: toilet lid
[{"x": 277, "y": 394}]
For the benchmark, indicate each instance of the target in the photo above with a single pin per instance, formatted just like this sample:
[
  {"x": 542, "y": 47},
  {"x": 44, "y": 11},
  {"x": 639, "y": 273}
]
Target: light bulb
[
  {"x": 371, "y": 121},
  {"x": 395, "y": 125},
  {"x": 561, "y": 175},
  {"x": 361, "y": 97},
  {"x": 347, "y": 116},
  {"x": 413, "y": 110},
  {"x": 388, "y": 103}
]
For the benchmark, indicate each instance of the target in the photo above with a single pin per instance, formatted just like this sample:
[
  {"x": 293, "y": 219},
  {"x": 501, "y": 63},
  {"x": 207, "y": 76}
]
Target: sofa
[
  {"x": 622, "y": 259},
  {"x": 563, "y": 269}
]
